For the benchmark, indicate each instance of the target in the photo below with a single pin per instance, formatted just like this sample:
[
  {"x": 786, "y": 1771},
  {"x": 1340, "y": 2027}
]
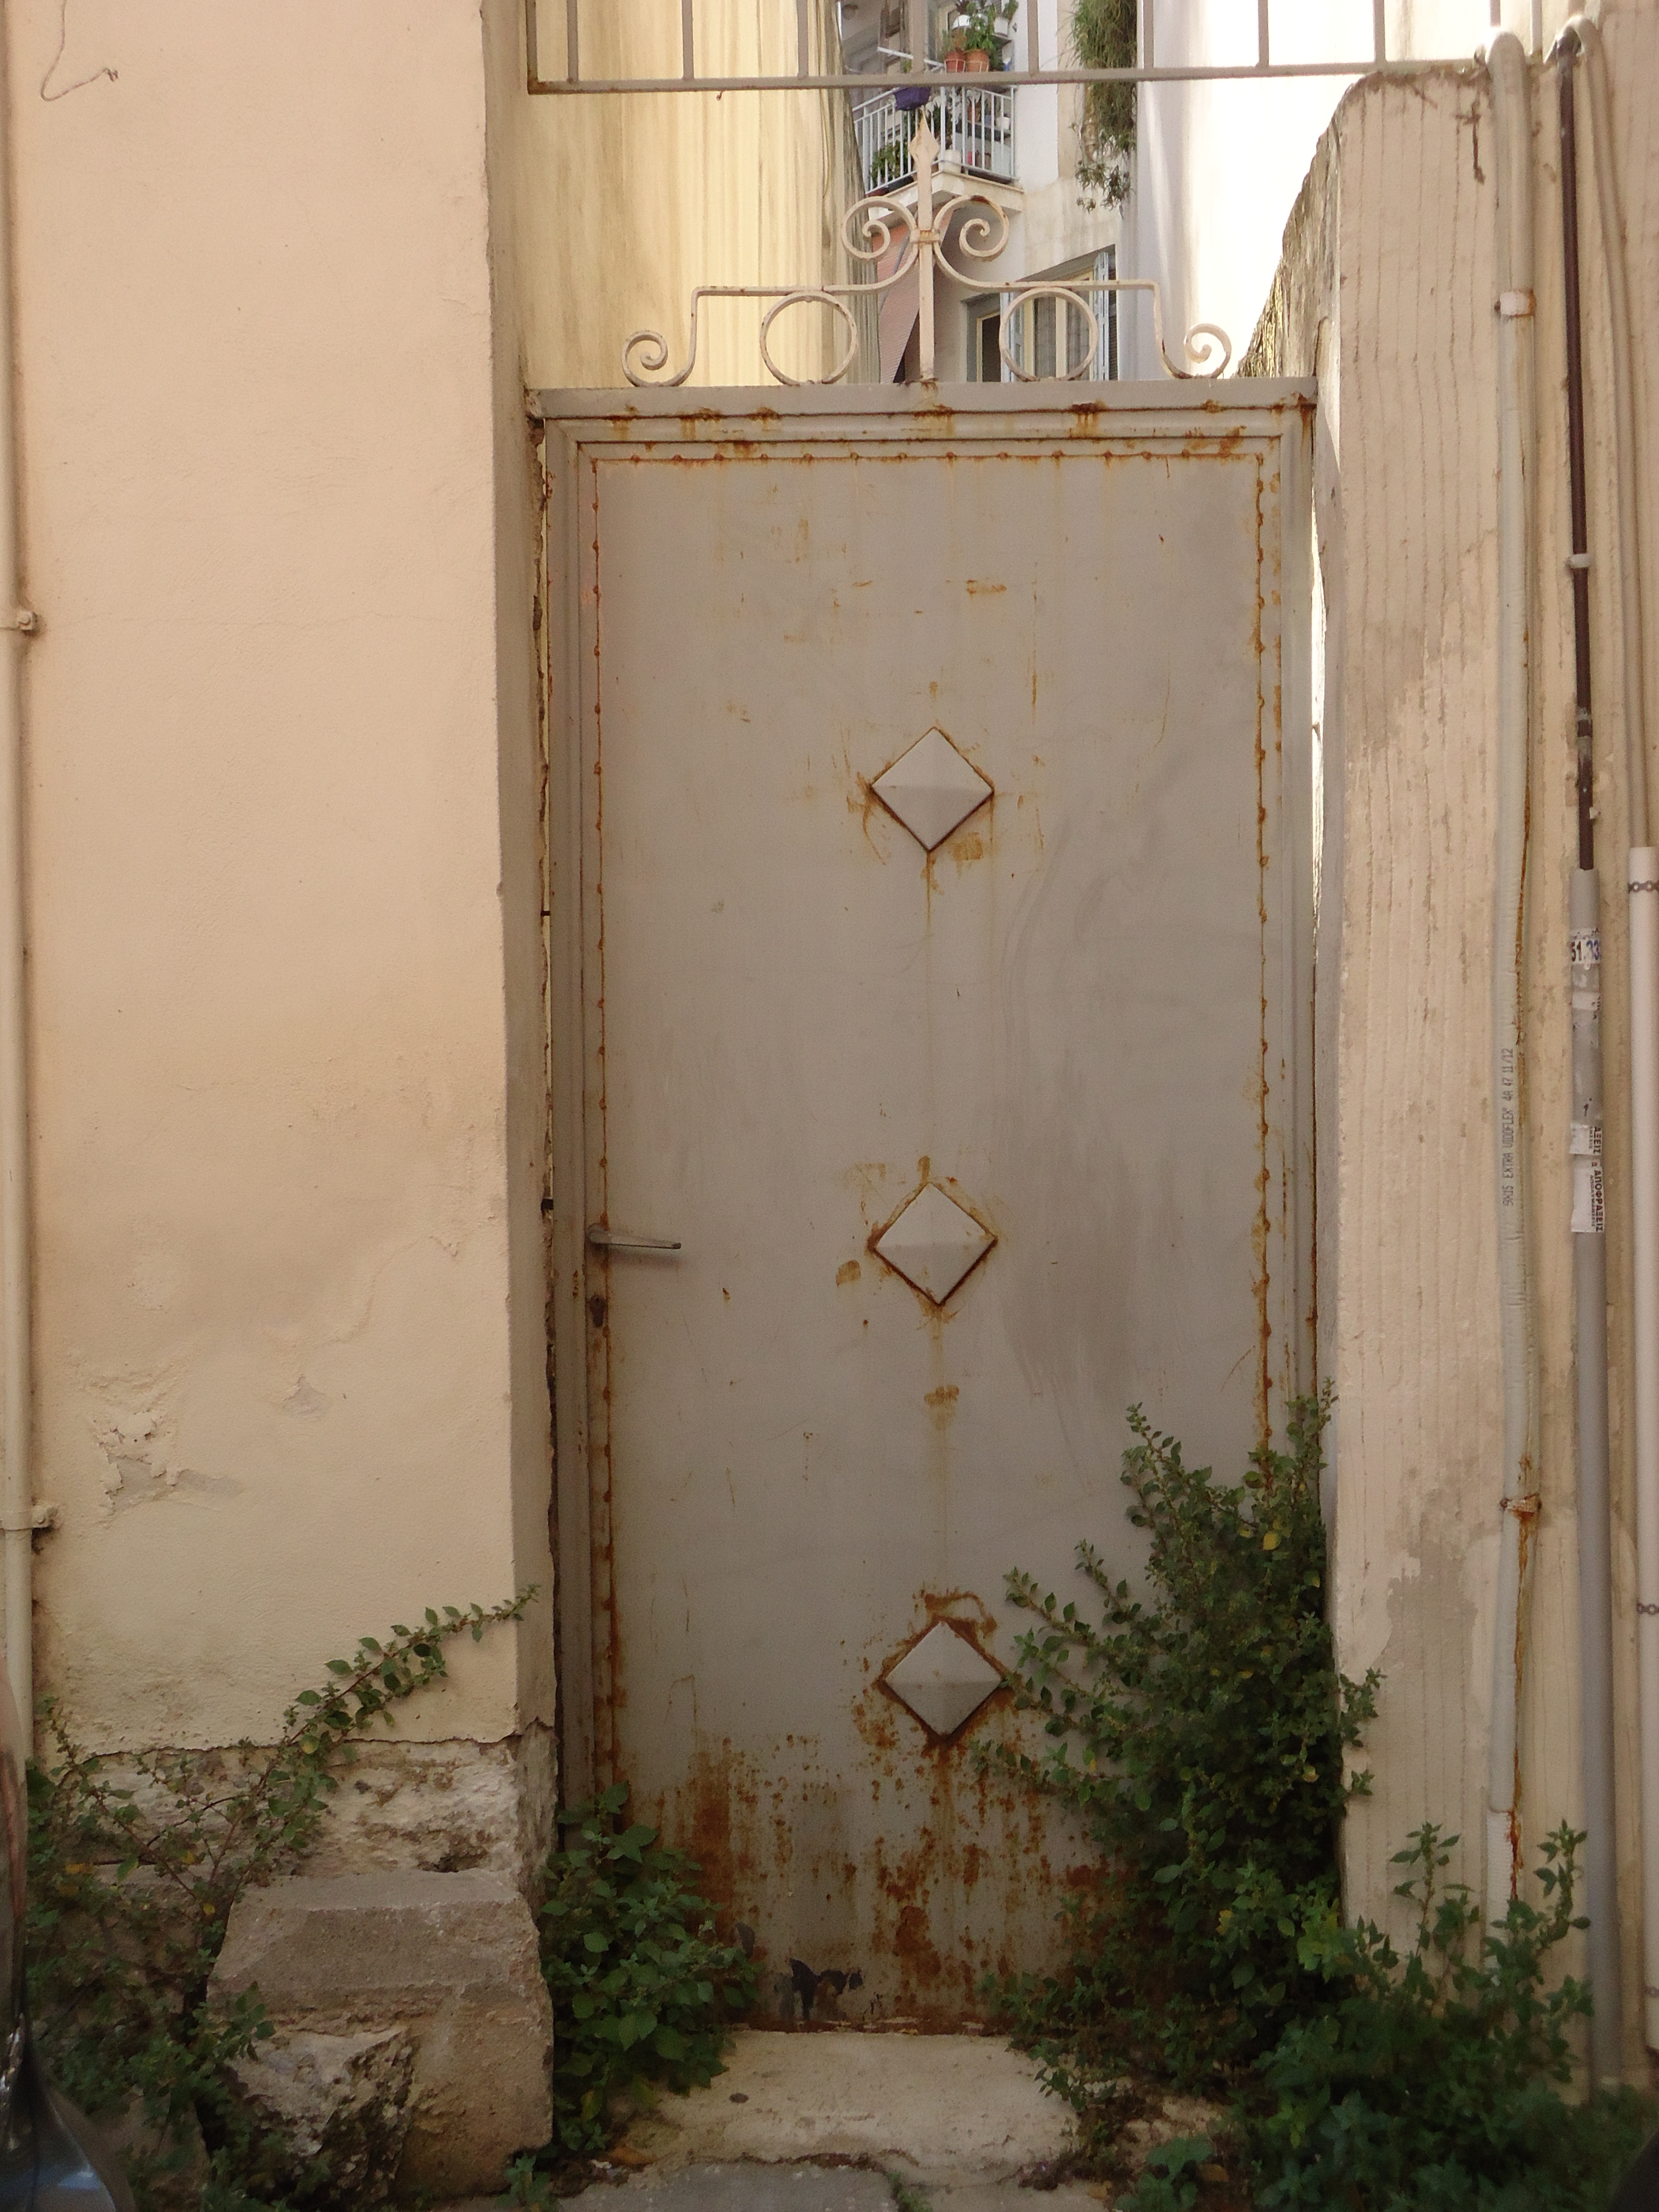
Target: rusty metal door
[{"x": 930, "y": 998}]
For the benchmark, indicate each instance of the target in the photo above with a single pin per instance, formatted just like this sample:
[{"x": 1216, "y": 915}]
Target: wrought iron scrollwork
[{"x": 871, "y": 228}]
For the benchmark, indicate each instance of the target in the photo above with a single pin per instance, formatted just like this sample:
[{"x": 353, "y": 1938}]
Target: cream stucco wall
[
  {"x": 282, "y": 276},
  {"x": 1388, "y": 288},
  {"x": 264, "y": 841}
]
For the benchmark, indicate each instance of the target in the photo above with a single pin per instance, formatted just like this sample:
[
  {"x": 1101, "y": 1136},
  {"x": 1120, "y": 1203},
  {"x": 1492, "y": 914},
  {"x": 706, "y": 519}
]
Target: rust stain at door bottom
[{"x": 869, "y": 1898}]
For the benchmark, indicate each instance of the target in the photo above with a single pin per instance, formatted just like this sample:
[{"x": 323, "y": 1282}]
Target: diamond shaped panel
[
  {"x": 932, "y": 789},
  {"x": 943, "y": 1680},
  {"x": 933, "y": 1243}
]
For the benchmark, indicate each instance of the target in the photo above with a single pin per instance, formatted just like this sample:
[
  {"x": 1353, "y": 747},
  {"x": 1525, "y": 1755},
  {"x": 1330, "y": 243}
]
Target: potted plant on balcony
[{"x": 980, "y": 29}]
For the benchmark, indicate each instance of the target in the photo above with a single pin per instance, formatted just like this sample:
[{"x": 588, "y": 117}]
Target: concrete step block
[{"x": 452, "y": 1960}]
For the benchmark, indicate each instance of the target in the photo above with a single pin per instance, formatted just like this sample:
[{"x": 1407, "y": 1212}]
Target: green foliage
[
  {"x": 643, "y": 1989},
  {"x": 1203, "y": 1733},
  {"x": 979, "y": 29},
  {"x": 528, "y": 2188},
  {"x": 1169, "y": 2179},
  {"x": 1103, "y": 36},
  {"x": 134, "y": 1867},
  {"x": 906, "y": 2197},
  {"x": 1427, "y": 2084},
  {"x": 892, "y": 161}
]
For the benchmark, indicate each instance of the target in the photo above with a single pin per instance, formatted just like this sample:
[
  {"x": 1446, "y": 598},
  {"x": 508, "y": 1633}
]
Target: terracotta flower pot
[
  {"x": 976, "y": 59},
  {"x": 956, "y": 61}
]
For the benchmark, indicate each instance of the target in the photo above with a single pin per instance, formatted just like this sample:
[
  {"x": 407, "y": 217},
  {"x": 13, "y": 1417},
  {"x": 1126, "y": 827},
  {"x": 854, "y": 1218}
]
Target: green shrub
[
  {"x": 1201, "y": 1732},
  {"x": 643, "y": 1989},
  {"x": 1427, "y": 2084},
  {"x": 1171, "y": 2176},
  {"x": 134, "y": 1867}
]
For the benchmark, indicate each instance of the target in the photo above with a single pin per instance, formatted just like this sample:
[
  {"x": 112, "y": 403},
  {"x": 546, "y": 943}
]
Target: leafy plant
[
  {"x": 975, "y": 24},
  {"x": 642, "y": 1988},
  {"x": 892, "y": 161},
  {"x": 134, "y": 1866},
  {"x": 1103, "y": 36},
  {"x": 1169, "y": 2180},
  {"x": 1202, "y": 1732},
  {"x": 1428, "y": 2082}
]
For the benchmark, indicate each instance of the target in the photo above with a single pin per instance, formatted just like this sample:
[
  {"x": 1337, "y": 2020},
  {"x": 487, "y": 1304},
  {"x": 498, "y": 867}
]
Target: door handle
[{"x": 613, "y": 1240}]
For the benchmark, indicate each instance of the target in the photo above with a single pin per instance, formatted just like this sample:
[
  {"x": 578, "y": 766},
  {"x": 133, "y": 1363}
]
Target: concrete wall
[
  {"x": 1388, "y": 288},
  {"x": 282, "y": 274}
]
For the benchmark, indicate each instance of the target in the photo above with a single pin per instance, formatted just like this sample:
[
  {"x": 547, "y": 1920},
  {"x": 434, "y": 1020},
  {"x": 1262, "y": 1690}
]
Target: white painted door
[{"x": 928, "y": 847}]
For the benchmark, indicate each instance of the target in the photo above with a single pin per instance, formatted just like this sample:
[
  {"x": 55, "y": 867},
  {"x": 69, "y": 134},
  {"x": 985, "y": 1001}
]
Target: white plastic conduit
[
  {"x": 1643, "y": 875},
  {"x": 17, "y": 1268},
  {"x": 1512, "y": 118}
]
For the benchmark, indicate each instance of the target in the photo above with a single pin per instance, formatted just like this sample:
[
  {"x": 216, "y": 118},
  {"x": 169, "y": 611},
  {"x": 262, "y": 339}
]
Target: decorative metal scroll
[{"x": 872, "y": 228}]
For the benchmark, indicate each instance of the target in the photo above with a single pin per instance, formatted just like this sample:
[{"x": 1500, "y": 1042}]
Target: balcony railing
[{"x": 973, "y": 124}]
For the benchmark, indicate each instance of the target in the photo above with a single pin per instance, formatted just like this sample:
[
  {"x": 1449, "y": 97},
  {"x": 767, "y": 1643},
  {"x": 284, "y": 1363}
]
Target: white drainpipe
[
  {"x": 16, "y": 1259},
  {"x": 1512, "y": 115},
  {"x": 1643, "y": 875}
]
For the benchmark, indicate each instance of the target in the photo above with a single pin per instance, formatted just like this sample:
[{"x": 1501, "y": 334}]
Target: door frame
[{"x": 579, "y": 426}]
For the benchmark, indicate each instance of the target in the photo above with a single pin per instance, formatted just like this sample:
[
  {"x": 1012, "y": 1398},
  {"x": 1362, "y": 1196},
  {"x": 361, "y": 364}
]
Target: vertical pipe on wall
[
  {"x": 1643, "y": 878},
  {"x": 1512, "y": 117},
  {"x": 1588, "y": 1225},
  {"x": 16, "y": 1268}
]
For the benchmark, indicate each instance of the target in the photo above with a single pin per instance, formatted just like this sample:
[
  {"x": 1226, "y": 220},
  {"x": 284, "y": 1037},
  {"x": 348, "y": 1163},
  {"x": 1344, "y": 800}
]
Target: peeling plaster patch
[
  {"x": 305, "y": 1403},
  {"x": 139, "y": 1474}
]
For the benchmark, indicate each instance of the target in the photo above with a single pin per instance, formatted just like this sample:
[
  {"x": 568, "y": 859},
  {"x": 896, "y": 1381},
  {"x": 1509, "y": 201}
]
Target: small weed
[
  {"x": 1170, "y": 2178},
  {"x": 906, "y": 2197},
  {"x": 642, "y": 1988},
  {"x": 1430, "y": 2081}
]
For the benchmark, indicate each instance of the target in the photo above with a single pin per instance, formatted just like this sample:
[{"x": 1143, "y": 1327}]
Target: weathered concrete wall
[{"x": 1387, "y": 291}]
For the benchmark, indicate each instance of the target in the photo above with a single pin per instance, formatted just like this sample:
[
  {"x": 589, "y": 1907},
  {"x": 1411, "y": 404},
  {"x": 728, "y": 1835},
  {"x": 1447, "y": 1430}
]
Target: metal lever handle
[{"x": 612, "y": 1239}]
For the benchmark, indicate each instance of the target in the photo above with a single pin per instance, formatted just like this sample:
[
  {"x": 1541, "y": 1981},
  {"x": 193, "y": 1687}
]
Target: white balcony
[{"x": 973, "y": 124}]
